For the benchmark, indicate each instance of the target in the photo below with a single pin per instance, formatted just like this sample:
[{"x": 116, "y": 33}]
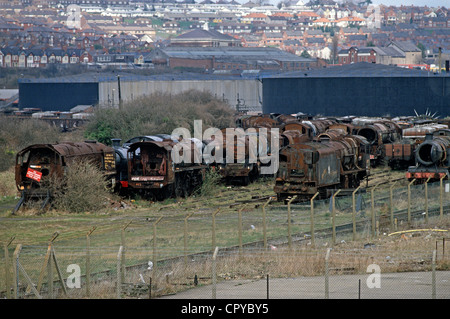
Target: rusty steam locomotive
[
  {"x": 314, "y": 156},
  {"x": 37, "y": 164}
]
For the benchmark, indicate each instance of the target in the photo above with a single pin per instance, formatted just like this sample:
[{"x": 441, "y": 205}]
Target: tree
[
  {"x": 159, "y": 113},
  {"x": 423, "y": 49},
  {"x": 305, "y": 54},
  {"x": 334, "y": 48}
]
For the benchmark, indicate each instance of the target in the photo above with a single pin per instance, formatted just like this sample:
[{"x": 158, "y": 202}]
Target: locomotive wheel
[
  {"x": 187, "y": 186},
  {"x": 178, "y": 186}
]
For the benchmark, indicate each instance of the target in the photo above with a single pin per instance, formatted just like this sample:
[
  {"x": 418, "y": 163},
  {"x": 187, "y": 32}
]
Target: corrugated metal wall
[
  {"x": 249, "y": 92},
  {"x": 365, "y": 96}
]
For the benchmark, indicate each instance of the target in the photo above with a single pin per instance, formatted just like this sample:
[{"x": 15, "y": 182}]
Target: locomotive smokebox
[
  {"x": 116, "y": 142},
  {"x": 375, "y": 133},
  {"x": 369, "y": 133},
  {"x": 429, "y": 152}
]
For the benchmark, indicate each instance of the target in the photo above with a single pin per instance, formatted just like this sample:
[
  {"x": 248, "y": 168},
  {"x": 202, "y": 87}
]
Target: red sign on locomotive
[{"x": 34, "y": 174}]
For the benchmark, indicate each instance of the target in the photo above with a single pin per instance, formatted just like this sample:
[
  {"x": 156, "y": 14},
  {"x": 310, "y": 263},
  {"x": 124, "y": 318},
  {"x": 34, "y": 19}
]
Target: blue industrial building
[{"x": 361, "y": 89}]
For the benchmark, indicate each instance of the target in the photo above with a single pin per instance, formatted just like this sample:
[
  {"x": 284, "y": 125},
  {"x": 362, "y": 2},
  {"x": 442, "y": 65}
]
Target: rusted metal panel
[
  {"x": 263, "y": 120},
  {"x": 293, "y": 137},
  {"x": 328, "y": 170},
  {"x": 296, "y": 126},
  {"x": 419, "y": 132}
]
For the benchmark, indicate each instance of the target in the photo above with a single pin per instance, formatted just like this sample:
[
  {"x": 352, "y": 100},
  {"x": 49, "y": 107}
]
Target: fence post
[
  {"x": 354, "y": 211},
  {"x": 124, "y": 249},
  {"x": 58, "y": 271},
  {"x": 214, "y": 228},
  {"x": 372, "y": 199},
  {"x": 441, "y": 198},
  {"x": 409, "y": 200},
  {"x": 16, "y": 270},
  {"x": 264, "y": 222},
  {"x": 7, "y": 282},
  {"x": 185, "y": 237},
  {"x": 119, "y": 276},
  {"x": 289, "y": 222},
  {"x": 333, "y": 216},
  {"x": 426, "y": 199},
  {"x": 50, "y": 276},
  {"x": 47, "y": 259},
  {"x": 88, "y": 261},
  {"x": 214, "y": 273},
  {"x": 327, "y": 287},
  {"x": 240, "y": 231},
  {"x": 391, "y": 210},
  {"x": 155, "y": 263},
  {"x": 433, "y": 276},
  {"x": 312, "y": 219}
]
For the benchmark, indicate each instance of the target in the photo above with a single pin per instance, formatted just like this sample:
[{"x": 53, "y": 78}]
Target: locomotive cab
[
  {"x": 35, "y": 166},
  {"x": 148, "y": 164}
]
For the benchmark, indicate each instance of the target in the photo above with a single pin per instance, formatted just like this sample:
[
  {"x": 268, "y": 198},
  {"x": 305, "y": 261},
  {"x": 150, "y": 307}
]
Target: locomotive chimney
[{"x": 116, "y": 142}]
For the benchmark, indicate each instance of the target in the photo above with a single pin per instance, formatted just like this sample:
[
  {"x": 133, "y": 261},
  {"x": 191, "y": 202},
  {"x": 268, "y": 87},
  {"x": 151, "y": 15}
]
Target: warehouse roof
[
  {"x": 241, "y": 53},
  {"x": 94, "y": 77},
  {"x": 360, "y": 69}
]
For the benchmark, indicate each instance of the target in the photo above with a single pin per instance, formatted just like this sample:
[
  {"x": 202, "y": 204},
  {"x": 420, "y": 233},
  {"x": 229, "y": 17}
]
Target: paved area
[{"x": 408, "y": 285}]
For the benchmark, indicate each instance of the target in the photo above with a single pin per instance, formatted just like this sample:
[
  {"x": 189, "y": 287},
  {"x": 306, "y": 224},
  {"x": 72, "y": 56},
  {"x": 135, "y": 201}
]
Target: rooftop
[
  {"x": 360, "y": 69},
  {"x": 94, "y": 77}
]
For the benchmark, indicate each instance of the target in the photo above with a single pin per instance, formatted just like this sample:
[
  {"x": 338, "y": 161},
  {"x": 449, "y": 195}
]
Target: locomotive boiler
[
  {"x": 401, "y": 154},
  {"x": 432, "y": 157}
]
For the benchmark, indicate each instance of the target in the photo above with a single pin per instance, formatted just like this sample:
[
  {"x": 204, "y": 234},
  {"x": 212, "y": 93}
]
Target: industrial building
[
  {"x": 242, "y": 91},
  {"x": 362, "y": 89}
]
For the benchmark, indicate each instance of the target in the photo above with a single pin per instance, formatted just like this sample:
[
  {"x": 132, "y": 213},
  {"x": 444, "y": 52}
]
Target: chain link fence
[{"x": 333, "y": 248}]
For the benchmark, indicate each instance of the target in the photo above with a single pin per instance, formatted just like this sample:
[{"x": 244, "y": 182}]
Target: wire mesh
[{"x": 264, "y": 251}]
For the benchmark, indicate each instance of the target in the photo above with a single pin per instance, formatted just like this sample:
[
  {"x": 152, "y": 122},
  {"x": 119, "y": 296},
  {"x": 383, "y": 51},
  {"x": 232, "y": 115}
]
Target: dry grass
[
  {"x": 8, "y": 183},
  {"x": 396, "y": 253}
]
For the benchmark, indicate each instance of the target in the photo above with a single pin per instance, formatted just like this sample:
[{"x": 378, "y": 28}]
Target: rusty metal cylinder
[
  {"x": 374, "y": 132},
  {"x": 433, "y": 151}
]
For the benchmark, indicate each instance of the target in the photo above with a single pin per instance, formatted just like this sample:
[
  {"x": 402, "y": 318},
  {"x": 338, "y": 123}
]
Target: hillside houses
[
  {"x": 30, "y": 30},
  {"x": 396, "y": 53}
]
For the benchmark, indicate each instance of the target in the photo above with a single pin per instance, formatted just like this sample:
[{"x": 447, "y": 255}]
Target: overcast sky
[{"x": 430, "y": 3}]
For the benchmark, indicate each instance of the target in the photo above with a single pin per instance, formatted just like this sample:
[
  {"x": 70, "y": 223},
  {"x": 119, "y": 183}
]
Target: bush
[
  {"x": 210, "y": 183},
  {"x": 84, "y": 189},
  {"x": 159, "y": 113}
]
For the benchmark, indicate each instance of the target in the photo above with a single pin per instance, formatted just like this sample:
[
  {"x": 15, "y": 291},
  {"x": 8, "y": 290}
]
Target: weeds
[
  {"x": 83, "y": 190},
  {"x": 210, "y": 183}
]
